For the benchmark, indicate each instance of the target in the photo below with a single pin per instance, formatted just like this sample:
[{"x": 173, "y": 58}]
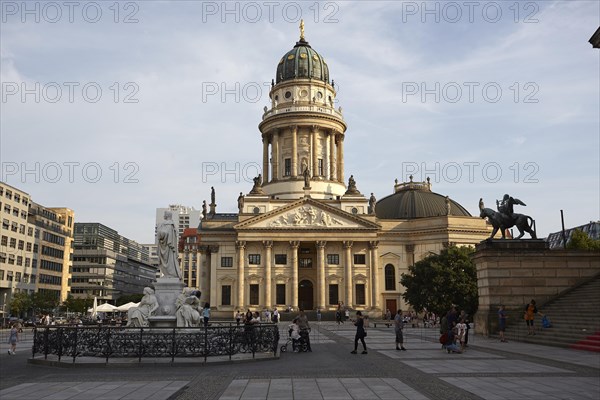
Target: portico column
[
  {"x": 240, "y": 247},
  {"x": 294, "y": 258},
  {"x": 332, "y": 155},
  {"x": 315, "y": 141},
  {"x": 203, "y": 272},
  {"x": 268, "y": 244},
  {"x": 275, "y": 155},
  {"x": 348, "y": 271},
  {"x": 295, "y": 151},
  {"x": 198, "y": 266},
  {"x": 321, "y": 274},
  {"x": 214, "y": 250},
  {"x": 265, "y": 169},
  {"x": 374, "y": 253},
  {"x": 341, "y": 159}
]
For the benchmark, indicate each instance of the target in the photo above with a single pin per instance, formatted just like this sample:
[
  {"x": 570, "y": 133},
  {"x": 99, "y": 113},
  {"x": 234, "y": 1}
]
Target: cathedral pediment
[{"x": 307, "y": 214}]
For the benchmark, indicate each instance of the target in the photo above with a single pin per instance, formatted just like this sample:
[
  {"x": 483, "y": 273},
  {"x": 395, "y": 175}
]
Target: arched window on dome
[{"x": 390, "y": 277}]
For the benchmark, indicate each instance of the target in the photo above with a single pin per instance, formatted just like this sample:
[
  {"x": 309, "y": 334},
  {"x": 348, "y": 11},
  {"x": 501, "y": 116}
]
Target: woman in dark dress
[{"x": 360, "y": 333}]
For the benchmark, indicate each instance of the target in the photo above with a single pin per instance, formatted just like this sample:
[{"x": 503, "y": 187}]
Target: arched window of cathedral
[{"x": 390, "y": 277}]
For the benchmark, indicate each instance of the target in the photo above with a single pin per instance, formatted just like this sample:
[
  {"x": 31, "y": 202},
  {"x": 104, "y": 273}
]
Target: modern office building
[
  {"x": 555, "y": 240},
  {"x": 183, "y": 217},
  {"x": 107, "y": 265},
  {"x": 35, "y": 246},
  {"x": 53, "y": 251},
  {"x": 18, "y": 266},
  {"x": 189, "y": 257}
]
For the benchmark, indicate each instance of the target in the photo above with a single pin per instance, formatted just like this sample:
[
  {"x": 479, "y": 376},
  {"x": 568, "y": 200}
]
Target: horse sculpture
[{"x": 524, "y": 223}]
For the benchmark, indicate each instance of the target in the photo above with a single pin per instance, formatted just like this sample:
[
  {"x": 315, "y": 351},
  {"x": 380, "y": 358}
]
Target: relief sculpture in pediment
[{"x": 306, "y": 216}]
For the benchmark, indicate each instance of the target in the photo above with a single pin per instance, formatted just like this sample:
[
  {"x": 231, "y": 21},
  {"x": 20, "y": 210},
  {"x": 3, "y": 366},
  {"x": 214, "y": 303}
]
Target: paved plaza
[{"x": 487, "y": 370}]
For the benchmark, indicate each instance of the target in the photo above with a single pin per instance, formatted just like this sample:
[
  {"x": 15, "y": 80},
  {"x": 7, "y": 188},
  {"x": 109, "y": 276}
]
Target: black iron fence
[{"x": 220, "y": 339}]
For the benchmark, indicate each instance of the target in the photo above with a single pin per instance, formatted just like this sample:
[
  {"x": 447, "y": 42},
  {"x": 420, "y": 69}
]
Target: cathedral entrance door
[
  {"x": 392, "y": 306},
  {"x": 305, "y": 295}
]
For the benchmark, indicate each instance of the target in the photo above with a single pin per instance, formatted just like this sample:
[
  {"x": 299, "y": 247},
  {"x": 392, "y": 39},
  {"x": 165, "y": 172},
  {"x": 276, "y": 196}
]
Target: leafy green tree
[
  {"x": 44, "y": 302},
  {"x": 134, "y": 298},
  {"x": 439, "y": 281},
  {"x": 581, "y": 241},
  {"x": 20, "y": 304},
  {"x": 78, "y": 305}
]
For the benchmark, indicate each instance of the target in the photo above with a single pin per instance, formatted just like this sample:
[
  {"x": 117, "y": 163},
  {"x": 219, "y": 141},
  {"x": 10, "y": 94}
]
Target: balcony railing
[{"x": 306, "y": 108}]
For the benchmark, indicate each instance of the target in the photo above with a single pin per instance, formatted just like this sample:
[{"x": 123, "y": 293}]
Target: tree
[
  {"x": 20, "y": 304},
  {"x": 581, "y": 241},
  {"x": 44, "y": 302},
  {"x": 78, "y": 305},
  {"x": 129, "y": 298},
  {"x": 439, "y": 281}
]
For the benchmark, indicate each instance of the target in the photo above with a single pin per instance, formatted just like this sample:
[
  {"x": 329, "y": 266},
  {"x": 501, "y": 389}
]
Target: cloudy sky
[{"x": 115, "y": 109}]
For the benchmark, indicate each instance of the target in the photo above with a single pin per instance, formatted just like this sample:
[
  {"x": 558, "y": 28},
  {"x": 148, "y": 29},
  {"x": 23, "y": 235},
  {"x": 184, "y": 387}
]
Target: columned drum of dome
[{"x": 303, "y": 132}]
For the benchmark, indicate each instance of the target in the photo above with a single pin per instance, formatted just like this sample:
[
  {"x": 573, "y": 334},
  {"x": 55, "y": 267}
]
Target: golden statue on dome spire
[{"x": 301, "y": 30}]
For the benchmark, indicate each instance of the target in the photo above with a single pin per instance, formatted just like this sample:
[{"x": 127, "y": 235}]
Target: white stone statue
[
  {"x": 167, "y": 247},
  {"x": 188, "y": 306},
  {"x": 138, "y": 316}
]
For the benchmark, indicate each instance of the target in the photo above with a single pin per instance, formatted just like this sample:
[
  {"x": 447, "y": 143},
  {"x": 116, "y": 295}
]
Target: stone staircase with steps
[{"x": 575, "y": 319}]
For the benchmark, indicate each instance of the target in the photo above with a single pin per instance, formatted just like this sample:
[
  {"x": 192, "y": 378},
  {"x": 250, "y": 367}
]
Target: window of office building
[{"x": 254, "y": 259}]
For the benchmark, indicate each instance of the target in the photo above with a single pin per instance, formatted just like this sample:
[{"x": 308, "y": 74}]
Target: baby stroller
[{"x": 298, "y": 345}]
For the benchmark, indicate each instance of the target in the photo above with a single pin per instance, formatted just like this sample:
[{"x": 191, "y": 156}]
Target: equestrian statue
[{"x": 505, "y": 217}]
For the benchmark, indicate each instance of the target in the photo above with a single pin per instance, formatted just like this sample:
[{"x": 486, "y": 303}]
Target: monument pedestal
[
  {"x": 162, "y": 321},
  {"x": 166, "y": 291}
]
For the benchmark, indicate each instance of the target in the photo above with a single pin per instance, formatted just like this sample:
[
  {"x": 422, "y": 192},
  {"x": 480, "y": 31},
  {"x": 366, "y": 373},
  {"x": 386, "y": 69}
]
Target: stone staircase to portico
[{"x": 575, "y": 319}]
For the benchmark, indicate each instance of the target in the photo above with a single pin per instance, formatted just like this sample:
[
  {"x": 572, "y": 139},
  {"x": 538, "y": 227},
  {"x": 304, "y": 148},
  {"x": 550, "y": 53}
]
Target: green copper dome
[
  {"x": 413, "y": 200},
  {"x": 302, "y": 62}
]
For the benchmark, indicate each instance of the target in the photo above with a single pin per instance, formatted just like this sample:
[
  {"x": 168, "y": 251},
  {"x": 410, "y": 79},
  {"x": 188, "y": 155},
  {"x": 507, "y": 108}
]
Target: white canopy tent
[{"x": 103, "y": 308}]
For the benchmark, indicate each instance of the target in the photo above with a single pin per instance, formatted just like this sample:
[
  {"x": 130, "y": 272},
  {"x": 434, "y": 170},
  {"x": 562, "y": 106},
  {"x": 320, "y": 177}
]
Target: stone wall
[{"x": 512, "y": 272}]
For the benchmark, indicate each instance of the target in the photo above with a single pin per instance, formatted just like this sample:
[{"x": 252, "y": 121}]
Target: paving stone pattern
[{"x": 487, "y": 370}]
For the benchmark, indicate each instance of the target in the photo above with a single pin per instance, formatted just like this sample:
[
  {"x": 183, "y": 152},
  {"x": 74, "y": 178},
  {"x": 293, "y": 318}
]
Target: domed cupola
[
  {"x": 303, "y": 131},
  {"x": 302, "y": 62},
  {"x": 416, "y": 200}
]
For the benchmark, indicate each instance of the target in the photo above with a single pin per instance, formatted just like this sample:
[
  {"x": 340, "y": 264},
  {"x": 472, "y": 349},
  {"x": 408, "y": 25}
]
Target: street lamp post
[{"x": 4, "y": 311}]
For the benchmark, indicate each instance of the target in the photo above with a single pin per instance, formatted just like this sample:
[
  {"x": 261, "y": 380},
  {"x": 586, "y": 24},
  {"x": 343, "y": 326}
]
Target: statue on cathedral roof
[{"x": 306, "y": 175}]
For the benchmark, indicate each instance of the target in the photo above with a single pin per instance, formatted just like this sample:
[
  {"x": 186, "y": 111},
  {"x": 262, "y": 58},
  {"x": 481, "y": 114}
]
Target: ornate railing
[{"x": 112, "y": 342}]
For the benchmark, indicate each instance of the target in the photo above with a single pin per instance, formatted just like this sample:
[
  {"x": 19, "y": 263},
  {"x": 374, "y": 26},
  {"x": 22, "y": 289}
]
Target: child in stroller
[{"x": 298, "y": 341}]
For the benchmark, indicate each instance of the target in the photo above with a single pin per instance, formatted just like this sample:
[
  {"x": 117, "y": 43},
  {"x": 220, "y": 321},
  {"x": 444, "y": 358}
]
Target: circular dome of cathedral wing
[
  {"x": 416, "y": 203},
  {"x": 302, "y": 62}
]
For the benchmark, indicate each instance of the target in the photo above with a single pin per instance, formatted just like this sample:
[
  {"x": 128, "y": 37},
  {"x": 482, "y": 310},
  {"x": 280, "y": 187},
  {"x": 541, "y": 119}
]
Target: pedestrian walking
[
  {"x": 399, "y": 326},
  {"x": 360, "y": 333},
  {"x": 318, "y": 315},
  {"x": 13, "y": 338},
  {"x": 502, "y": 322},
  {"x": 206, "y": 314}
]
